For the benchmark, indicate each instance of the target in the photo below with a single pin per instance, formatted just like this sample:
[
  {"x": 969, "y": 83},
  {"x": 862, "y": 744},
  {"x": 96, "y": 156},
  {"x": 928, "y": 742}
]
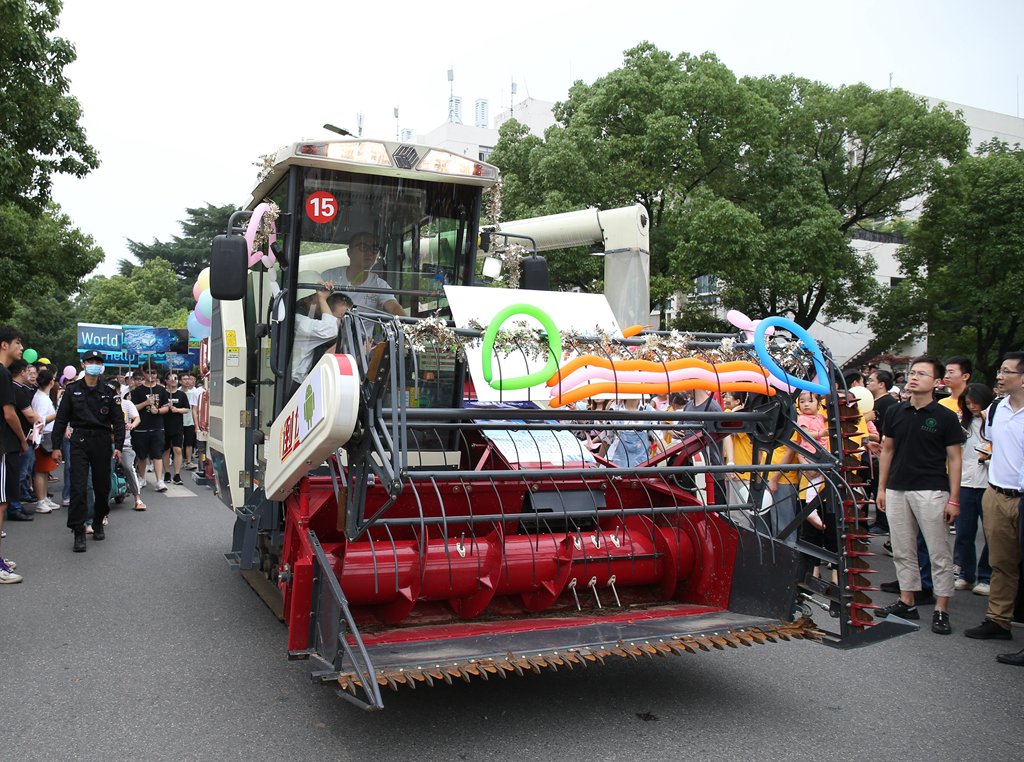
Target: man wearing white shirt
[
  {"x": 363, "y": 252},
  {"x": 1001, "y": 501}
]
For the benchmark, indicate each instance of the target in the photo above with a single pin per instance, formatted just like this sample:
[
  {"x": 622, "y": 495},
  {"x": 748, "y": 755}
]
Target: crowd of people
[{"x": 96, "y": 425}]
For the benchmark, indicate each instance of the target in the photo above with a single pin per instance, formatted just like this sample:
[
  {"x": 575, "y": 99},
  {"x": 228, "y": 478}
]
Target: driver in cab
[
  {"x": 363, "y": 253},
  {"x": 314, "y": 322}
]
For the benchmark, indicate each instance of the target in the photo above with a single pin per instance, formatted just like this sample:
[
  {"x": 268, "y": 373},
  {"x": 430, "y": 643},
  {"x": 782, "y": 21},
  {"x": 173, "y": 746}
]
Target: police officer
[{"x": 93, "y": 411}]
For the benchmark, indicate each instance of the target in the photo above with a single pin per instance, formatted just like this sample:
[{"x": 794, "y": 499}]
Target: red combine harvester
[{"x": 414, "y": 491}]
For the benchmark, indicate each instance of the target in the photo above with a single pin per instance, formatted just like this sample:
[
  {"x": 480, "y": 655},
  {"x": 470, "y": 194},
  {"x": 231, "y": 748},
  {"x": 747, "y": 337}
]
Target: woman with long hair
[{"x": 975, "y": 573}]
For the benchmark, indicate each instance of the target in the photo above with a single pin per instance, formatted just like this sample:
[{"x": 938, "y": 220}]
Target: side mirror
[
  {"x": 535, "y": 274},
  {"x": 229, "y": 267}
]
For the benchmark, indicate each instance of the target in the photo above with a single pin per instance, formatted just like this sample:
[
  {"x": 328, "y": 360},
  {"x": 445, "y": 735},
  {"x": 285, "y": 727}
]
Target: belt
[{"x": 1006, "y": 492}]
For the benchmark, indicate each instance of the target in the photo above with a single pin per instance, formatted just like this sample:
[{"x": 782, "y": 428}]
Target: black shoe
[
  {"x": 940, "y": 623},
  {"x": 177, "y": 479},
  {"x": 98, "y": 532},
  {"x": 19, "y": 516},
  {"x": 80, "y": 546},
  {"x": 900, "y": 609},
  {"x": 989, "y": 630},
  {"x": 1016, "y": 659}
]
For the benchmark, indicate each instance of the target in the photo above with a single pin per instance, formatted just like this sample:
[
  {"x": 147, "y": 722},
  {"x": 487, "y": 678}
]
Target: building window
[{"x": 706, "y": 289}]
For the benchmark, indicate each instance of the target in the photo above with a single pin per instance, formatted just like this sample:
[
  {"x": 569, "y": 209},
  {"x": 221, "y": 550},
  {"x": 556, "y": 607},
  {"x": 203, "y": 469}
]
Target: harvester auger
[{"x": 417, "y": 503}]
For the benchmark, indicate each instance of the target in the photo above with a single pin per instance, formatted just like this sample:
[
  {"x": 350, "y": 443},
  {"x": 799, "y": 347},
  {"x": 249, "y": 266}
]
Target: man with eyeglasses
[
  {"x": 919, "y": 489},
  {"x": 363, "y": 253},
  {"x": 1001, "y": 503},
  {"x": 152, "y": 402}
]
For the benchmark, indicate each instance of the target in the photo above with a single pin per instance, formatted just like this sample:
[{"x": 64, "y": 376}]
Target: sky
[{"x": 181, "y": 99}]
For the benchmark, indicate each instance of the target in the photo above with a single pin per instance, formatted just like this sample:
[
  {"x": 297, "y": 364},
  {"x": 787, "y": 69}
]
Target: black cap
[{"x": 92, "y": 354}]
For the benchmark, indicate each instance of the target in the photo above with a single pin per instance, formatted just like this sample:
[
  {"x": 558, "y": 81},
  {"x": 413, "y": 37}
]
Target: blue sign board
[{"x": 105, "y": 338}]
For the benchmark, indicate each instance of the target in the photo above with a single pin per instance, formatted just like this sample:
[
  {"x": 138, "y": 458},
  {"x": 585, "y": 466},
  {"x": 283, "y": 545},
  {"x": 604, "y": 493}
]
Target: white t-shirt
[
  {"x": 310, "y": 333},
  {"x": 43, "y": 406},
  {"x": 339, "y": 277},
  {"x": 973, "y": 472},
  {"x": 193, "y": 400}
]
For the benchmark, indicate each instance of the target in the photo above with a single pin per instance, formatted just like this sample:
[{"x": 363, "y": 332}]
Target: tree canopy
[
  {"x": 148, "y": 296},
  {"x": 40, "y": 133},
  {"x": 754, "y": 181},
  {"x": 188, "y": 253},
  {"x": 963, "y": 278}
]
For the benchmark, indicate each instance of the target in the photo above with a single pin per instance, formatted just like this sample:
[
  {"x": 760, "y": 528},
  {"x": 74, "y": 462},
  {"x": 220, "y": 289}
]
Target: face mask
[{"x": 93, "y": 370}]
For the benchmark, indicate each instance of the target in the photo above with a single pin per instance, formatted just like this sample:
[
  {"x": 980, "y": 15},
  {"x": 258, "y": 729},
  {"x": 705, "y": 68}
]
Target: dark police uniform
[{"x": 97, "y": 423}]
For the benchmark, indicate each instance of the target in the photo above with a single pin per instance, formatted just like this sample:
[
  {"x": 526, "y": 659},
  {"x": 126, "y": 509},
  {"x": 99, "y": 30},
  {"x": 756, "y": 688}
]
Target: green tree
[
  {"x": 963, "y": 278},
  {"x": 48, "y": 321},
  {"x": 40, "y": 253},
  {"x": 188, "y": 253},
  {"x": 40, "y": 134},
  {"x": 755, "y": 181},
  {"x": 148, "y": 296}
]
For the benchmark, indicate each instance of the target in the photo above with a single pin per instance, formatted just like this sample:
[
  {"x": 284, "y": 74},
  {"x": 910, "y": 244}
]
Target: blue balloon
[
  {"x": 205, "y": 304},
  {"x": 195, "y": 328},
  {"x": 816, "y": 387}
]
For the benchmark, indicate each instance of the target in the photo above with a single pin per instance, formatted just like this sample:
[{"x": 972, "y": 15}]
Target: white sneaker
[
  {"x": 142, "y": 483},
  {"x": 160, "y": 486},
  {"x": 52, "y": 504},
  {"x": 961, "y": 584},
  {"x": 5, "y": 561},
  {"x": 982, "y": 588},
  {"x": 9, "y": 578},
  {"x": 66, "y": 503},
  {"x": 88, "y": 528},
  {"x": 43, "y": 507}
]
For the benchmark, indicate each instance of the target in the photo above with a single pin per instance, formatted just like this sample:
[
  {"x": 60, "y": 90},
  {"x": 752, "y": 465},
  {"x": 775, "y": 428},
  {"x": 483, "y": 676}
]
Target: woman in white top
[
  {"x": 975, "y": 573},
  {"x": 314, "y": 323},
  {"x": 42, "y": 404}
]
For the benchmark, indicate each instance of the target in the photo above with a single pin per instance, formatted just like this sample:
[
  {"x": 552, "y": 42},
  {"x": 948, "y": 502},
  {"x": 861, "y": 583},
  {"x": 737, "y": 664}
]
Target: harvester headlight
[
  {"x": 446, "y": 163},
  {"x": 361, "y": 151}
]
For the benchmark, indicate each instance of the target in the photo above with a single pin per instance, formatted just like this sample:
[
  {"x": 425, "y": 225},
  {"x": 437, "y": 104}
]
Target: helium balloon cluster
[{"x": 200, "y": 319}]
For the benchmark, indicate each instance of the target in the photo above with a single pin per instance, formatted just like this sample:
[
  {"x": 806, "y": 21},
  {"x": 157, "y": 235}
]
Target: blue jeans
[
  {"x": 26, "y": 470},
  {"x": 971, "y": 568},
  {"x": 925, "y": 562}
]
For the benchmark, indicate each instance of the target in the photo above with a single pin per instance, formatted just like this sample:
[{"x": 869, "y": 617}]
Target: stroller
[{"x": 118, "y": 482}]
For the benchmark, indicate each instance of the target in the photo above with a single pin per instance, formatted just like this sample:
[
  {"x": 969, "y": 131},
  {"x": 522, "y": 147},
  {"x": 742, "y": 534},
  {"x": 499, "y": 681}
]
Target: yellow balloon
[{"x": 203, "y": 281}]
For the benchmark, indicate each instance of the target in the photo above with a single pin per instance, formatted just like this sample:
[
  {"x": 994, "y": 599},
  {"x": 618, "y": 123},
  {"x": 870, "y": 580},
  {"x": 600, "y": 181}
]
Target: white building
[
  {"x": 851, "y": 343},
  {"x": 478, "y": 141}
]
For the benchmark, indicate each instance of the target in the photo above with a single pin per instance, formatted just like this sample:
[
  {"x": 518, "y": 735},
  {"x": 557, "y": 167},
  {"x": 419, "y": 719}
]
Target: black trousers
[{"x": 90, "y": 450}]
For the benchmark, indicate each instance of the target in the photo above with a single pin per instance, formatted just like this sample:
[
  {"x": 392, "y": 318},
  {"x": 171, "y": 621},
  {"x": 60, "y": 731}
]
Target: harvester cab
[{"x": 414, "y": 455}]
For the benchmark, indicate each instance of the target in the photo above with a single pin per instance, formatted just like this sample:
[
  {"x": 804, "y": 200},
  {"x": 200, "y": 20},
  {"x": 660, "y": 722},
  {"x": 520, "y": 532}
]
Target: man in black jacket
[{"x": 93, "y": 411}]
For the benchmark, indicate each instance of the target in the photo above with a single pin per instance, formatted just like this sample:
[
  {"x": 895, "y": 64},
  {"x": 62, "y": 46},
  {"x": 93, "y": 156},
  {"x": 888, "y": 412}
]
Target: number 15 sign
[{"x": 321, "y": 207}]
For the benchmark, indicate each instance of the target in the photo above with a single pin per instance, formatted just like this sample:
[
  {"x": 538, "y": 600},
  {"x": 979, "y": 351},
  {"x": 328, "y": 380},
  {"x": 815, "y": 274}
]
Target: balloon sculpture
[{"x": 588, "y": 375}]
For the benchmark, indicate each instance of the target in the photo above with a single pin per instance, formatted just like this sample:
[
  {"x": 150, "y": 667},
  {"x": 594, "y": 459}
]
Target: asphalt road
[{"x": 149, "y": 647}]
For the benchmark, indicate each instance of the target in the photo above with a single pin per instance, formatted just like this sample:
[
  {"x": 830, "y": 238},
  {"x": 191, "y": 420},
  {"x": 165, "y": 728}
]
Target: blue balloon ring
[{"x": 808, "y": 343}]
